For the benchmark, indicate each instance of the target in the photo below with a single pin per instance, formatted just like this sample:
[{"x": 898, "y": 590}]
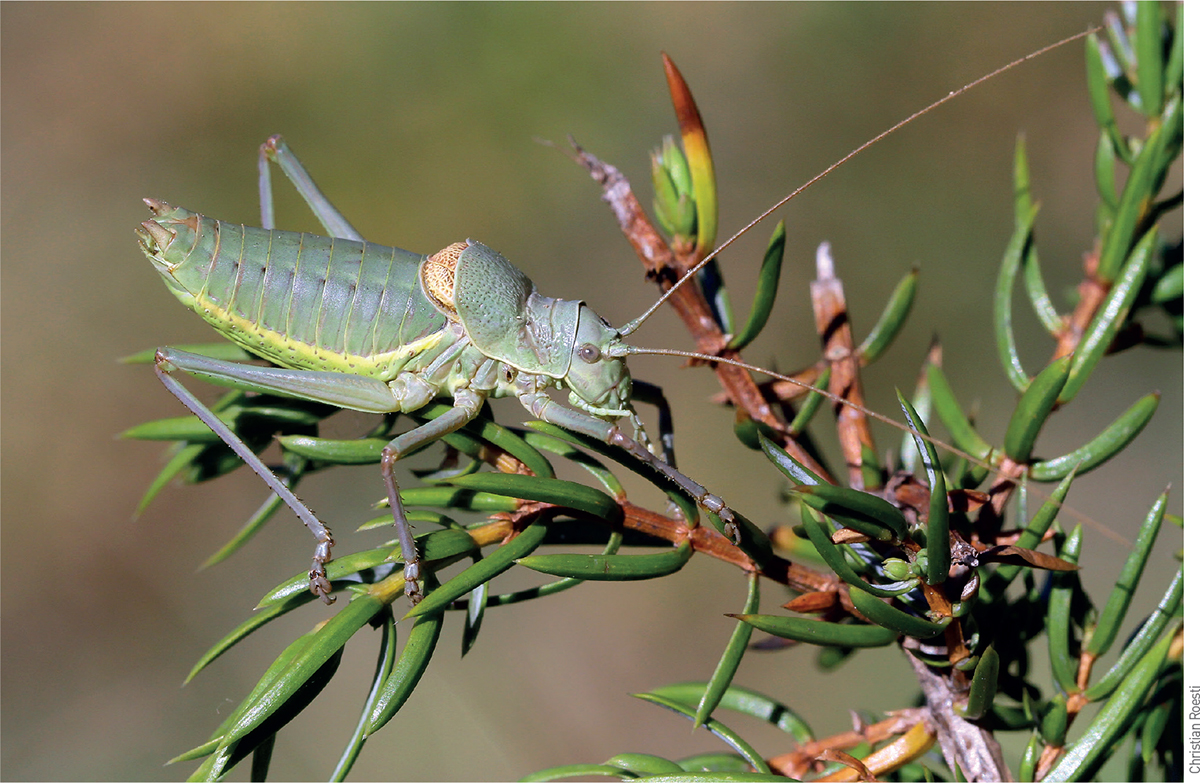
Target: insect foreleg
[
  {"x": 467, "y": 403},
  {"x": 706, "y": 499},
  {"x": 653, "y": 395},
  {"x": 276, "y": 149},
  {"x": 547, "y": 409}
]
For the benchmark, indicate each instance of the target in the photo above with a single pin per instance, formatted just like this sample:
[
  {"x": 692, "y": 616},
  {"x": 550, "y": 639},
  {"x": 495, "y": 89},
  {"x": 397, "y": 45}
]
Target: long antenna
[
  {"x": 831, "y": 396},
  {"x": 630, "y": 327},
  {"x": 625, "y": 350}
]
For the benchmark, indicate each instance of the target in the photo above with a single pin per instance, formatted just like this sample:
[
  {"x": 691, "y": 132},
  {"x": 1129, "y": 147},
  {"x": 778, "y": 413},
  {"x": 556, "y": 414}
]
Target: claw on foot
[
  {"x": 734, "y": 533},
  {"x": 412, "y": 586},
  {"x": 318, "y": 582},
  {"x": 716, "y": 505}
]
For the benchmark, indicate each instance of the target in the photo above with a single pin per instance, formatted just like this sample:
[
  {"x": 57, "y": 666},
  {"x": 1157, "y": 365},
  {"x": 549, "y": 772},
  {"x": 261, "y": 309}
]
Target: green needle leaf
[
  {"x": 644, "y": 764},
  {"x": 870, "y": 515},
  {"x": 577, "y": 771},
  {"x": 1018, "y": 247},
  {"x": 743, "y": 701},
  {"x": 297, "y": 586},
  {"x": 611, "y": 568},
  {"x": 1034, "y": 408},
  {"x": 727, "y": 666},
  {"x": 1039, "y": 297},
  {"x": 180, "y": 461},
  {"x": 884, "y": 614},
  {"x": 384, "y": 663},
  {"x": 1103, "y": 447},
  {"x": 831, "y": 553},
  {"x": 458, "y": 497},
  {"x": 812, "y": 401},
  {"x": 404, "y": 676},
  {"x": 1149, "y": 44},
  {"x": 764, "y": 294},
  {"x": 546, "y": 490},
  {"x": 198, "y": 752},
  {"x": 1118, "y": 601},
  {"x": 1097, "y": 84},
  {"x": 891, "y": 320},
  {"x": 251, "y": 624},
  {"x": 614, "y": 543},
  {"x": 362, "y": 451},
  {"x": 802, "y": 629},
  {"x": 937, "y": 525},
  {"x": 1086, "y": 755},
  {"x": 1111, "y": 316},
  {"x": 983, "y": 685},
  {"x": 438, "y": 545},
  {"x": 357, "y": 451},
  {"x": 1059, "y": 622},
  {"x": 1169, "y": 286},
  {"x": 488, "y": 568},
  {"x": 617, "y": 455},
  {"x": 937, "y": 531},
  {"x": 187, "y": 428},
  {"x": 477, "y": 604},
  {"x": 256, "y": 522},
  {"x": 514, "y": 444},
  {"x": 1105, "y": 173},
  {"x": 1143, "y": 640},
  {"x": 1053, "y": 727},
  {"x": 716, "y": 727},
  {"x": 555, "y": 446},
  {"x": 301, "y": 671},
  {"x": 1022, "y": 188},
  {"x": 1173, "y": 73},
  {"x": 951, "y": 414},
  {"x": 714, "y": 762},
  {"x": 1145, "y": 177},
  {"x": 1029, "y": 759},
  {"x": 1030, "y": 537},
  {"x": 260, "y": 762},
  {"x": 788, "y": 465}
]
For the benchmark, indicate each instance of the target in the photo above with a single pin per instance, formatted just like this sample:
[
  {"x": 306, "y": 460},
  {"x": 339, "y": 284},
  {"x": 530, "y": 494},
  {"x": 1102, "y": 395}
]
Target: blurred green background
[{"x": 419, "y": 122}]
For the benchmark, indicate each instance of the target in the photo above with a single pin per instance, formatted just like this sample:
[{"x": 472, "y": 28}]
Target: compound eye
[{"x": 589, "y": 353}]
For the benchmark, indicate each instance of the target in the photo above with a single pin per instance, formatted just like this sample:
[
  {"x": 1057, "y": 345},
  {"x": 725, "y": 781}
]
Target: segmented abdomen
[{"x": 309, "y": 301}]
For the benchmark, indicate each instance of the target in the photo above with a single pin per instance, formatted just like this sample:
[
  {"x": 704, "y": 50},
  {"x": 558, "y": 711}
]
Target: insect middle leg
[{"x": 467, "y": 403}]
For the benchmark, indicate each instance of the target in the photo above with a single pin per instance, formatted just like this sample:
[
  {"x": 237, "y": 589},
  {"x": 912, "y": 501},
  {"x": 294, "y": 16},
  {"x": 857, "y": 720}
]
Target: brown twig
[
  {"x": 665, "y": 267},
  {"x": 837, "y": 342}
]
